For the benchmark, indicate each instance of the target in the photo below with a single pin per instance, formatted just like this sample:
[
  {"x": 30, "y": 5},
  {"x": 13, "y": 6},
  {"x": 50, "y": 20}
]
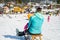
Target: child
[
  {"x": 48, "y": 18},
  {"x": 29, "y": 15},
  {"x": 22, "y": 33},
  {"x": 26, "y": 27}
]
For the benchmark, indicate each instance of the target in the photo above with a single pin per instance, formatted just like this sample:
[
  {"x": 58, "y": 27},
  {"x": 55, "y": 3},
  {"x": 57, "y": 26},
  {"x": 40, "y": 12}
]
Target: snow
[
  {"x": 1, "y": 4},
  {"x": 9, "y": 23}
]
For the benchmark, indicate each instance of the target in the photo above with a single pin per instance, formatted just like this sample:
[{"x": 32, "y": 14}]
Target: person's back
[{"x": 35, "y": 22}]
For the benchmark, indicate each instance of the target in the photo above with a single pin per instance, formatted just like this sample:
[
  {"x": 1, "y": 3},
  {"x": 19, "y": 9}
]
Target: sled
[{"x": 37, "y": 37}]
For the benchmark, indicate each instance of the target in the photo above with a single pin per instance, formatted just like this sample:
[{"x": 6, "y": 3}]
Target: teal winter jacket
[{"x": 35, "y": 23}]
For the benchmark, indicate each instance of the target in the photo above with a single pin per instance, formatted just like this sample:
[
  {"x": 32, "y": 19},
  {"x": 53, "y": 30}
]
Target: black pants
[{"x": 26, "y": 32}]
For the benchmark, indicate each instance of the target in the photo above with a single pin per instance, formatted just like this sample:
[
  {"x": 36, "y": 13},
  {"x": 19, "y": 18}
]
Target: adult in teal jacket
[{"x": 35, "y": 22}]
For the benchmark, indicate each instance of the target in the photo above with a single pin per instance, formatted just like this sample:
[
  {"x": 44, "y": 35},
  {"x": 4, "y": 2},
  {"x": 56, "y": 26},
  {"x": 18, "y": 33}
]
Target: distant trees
[
  {"x": 1, "y": 1},
  {"x": 5, "y": 1},
  {"x": 58, "y": 1},
  {"x": 19, "y": 1}
]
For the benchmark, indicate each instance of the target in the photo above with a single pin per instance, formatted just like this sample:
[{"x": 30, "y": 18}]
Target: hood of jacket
[{"x": 39, "y": 15}]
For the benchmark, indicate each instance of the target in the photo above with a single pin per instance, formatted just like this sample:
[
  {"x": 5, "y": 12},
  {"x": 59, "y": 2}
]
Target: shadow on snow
[{"x": 14, "y": 37}]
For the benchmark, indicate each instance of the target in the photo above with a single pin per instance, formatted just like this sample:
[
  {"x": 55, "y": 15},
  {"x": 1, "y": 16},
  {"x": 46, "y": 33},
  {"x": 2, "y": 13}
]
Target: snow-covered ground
[{"x": 9, "y": 23}]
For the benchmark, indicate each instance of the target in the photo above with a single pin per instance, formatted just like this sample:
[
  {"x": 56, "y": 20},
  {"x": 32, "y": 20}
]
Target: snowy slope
[{"x": 9, "y": 23}]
